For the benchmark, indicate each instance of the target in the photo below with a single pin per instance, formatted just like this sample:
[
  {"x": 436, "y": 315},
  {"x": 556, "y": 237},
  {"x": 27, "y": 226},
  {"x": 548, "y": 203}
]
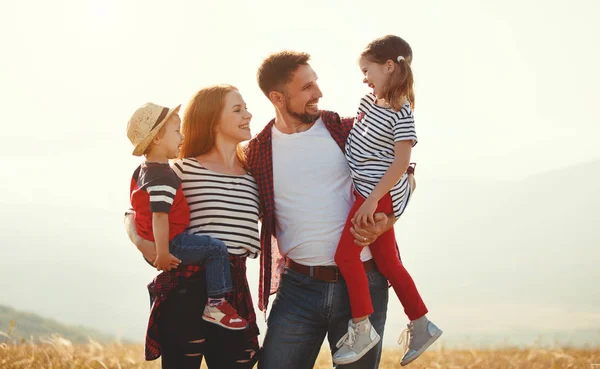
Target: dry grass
[{"x": 58, "y": 353}]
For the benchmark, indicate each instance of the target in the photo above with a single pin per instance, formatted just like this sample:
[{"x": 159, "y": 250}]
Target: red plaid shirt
[
  {"x": 166, "y": 282},
  {"x": 259, "y": 154}
]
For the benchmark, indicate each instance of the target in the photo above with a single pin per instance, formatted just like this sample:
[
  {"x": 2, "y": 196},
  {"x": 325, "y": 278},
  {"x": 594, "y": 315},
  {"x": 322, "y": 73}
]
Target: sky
[{"x": 505, "y": 90}]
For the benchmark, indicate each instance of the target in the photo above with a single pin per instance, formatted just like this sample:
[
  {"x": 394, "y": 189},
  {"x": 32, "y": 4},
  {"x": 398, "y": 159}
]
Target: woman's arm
[{"x": 147, "y": 248}]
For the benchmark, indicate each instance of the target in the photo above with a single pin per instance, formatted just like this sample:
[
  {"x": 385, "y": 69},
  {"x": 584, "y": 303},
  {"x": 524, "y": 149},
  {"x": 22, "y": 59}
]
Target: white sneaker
[
  {"x": 360, "y": 338},
  {"x": 415, "y": 341}
]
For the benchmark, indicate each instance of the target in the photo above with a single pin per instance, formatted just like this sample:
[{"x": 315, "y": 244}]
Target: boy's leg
[
  {"x": 210, "y": 252},
  {"x": 347, "y": 258}
]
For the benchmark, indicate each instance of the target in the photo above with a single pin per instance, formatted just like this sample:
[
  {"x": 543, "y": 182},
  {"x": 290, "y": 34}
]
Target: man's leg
[
  {"x": 338, "y": 323},
  {"x": 296, "y": 325}
]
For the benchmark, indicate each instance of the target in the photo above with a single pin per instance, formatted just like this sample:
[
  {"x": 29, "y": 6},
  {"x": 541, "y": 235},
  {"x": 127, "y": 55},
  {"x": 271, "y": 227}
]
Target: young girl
[{"x": 378, "y": 152}]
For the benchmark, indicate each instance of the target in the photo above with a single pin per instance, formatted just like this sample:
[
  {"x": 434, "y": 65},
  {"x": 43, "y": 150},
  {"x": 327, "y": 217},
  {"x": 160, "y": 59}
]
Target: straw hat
[{"x": 145, "y": 123}]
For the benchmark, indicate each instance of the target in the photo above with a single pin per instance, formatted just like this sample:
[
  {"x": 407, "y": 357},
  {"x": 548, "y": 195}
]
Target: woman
[{"x": 224, "y": 203}]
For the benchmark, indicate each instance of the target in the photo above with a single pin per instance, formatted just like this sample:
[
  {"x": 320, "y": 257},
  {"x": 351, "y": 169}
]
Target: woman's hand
[
  {"x": 166, "y": 262},
  {"x": 364, "y": 236}
]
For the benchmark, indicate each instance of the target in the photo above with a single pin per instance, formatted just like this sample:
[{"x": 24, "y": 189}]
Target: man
[{"x": 305, "y": 187}]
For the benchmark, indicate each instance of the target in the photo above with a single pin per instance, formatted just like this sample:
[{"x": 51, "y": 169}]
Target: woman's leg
[
  {"x": 182, "y": 330},
  {"x": 235, "y": 349}
]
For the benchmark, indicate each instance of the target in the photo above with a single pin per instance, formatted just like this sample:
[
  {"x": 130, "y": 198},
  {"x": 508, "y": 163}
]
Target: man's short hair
[{"x": 278, "y": 69}]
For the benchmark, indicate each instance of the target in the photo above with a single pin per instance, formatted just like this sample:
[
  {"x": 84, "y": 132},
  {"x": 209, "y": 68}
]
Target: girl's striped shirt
[{"x": 370, "y": 147}]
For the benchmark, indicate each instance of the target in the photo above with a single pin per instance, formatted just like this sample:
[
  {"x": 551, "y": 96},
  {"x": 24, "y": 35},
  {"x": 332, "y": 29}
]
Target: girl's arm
[
  {"x": 364, "y": 214},
  {"x": 402, "y": 150}
]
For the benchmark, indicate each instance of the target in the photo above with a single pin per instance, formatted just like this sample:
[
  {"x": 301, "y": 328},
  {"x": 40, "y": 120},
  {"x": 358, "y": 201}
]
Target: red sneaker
[{"x": 224, "y": 315}]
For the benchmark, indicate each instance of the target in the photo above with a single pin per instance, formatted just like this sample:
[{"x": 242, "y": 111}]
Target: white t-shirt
[{"x": 313, "y": 195}]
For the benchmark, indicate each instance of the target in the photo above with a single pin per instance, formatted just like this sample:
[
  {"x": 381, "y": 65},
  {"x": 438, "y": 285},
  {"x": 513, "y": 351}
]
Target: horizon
[{"x": 505, "y": 117}]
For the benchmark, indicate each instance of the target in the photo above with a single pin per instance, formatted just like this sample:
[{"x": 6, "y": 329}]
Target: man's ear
[{"x": 277, "y": 99}]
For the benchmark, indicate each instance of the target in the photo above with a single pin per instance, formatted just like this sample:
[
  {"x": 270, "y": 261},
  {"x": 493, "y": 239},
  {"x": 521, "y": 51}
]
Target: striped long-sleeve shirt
[{"x": 222, "y": 206}]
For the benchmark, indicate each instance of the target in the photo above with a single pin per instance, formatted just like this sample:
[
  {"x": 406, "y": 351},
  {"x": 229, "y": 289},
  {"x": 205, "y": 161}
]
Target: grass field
[{"x": 59, "y": 353}]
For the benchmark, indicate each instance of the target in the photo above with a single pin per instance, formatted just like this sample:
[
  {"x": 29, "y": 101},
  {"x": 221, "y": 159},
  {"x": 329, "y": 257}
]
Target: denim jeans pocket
[
  {"x": 377, "y": 281},
  {"x": 294, "y": 277}
]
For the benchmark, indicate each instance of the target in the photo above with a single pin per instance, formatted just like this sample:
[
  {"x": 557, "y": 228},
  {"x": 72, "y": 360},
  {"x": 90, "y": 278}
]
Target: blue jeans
[
  {"x": 305, "y": 310},
  {"x": 208, "y": 251}
]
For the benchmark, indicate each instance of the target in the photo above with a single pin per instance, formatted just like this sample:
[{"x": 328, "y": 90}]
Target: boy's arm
[{"x": 160, "y": 228}]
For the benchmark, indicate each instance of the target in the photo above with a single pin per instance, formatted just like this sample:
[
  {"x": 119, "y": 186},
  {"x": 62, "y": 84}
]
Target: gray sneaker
[
  {"x": 360, "y": 338},
  {"x": 416, "y": 338}
]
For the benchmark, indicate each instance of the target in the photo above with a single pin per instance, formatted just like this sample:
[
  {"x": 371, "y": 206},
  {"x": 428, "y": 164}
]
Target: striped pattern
[
  {"x": 222, "y": 206},
  {"x": 370, "y": 148}
]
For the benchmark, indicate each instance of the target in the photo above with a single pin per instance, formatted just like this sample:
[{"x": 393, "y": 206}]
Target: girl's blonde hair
[
  {"x": 401, "y": 81},
  {"x": 200, "y": 120}
]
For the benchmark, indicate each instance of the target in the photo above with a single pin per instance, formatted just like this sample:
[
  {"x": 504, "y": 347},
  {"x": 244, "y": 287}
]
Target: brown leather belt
[{"x": 328, "y": 273}]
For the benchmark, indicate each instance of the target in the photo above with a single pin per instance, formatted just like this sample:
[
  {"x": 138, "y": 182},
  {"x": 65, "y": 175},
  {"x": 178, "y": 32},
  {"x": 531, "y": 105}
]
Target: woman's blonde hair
[{"x": 200, "y": 120}]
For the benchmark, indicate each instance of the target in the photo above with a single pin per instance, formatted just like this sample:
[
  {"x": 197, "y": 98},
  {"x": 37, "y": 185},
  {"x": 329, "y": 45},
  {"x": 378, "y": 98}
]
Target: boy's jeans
[
  {"x": 305, "y": 310},
  {"x": 208, "y": 251}
]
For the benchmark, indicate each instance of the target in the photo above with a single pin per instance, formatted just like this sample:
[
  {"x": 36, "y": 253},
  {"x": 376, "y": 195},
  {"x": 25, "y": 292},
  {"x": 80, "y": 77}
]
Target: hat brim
[{"x": 145, "y": 142}]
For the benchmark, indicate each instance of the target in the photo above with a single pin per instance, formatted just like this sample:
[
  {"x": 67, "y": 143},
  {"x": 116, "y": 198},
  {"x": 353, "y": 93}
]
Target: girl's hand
[
  {"x": 364, "y": 214},
  {"x": 166, "y": 262}
]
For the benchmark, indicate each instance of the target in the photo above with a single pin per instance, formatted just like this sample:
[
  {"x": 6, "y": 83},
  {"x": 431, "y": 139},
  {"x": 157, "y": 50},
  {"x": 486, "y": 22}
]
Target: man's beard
[{"x": 304, "y": 117}]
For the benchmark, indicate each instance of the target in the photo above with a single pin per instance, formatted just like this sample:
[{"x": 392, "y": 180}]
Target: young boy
[{"x": 162, "y": 214}]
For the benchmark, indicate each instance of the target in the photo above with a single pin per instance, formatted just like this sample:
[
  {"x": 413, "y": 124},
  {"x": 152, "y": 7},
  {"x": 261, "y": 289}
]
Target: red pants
[{"x": 385, "y": 254}]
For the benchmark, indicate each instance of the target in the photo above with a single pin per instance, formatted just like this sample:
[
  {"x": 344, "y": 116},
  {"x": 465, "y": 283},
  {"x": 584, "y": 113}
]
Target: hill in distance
[{"x": 29, "y": 325}]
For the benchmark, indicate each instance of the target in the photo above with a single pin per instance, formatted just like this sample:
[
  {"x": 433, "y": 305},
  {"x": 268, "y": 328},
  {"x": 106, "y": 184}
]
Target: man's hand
[
  {"x": 364, "y": 236},
  {"x": 166, "y": 262}
]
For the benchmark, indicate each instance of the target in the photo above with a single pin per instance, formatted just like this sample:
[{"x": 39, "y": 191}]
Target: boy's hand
[
  {"x": 166, "y": 262},
  {"x": 364, "y": 214}
]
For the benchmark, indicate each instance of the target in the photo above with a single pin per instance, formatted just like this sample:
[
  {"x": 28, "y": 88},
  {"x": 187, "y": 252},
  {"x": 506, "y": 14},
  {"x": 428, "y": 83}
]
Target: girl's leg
[
  {"x": 347, "y": 258},
  {"x": 385, "y": 254}
]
